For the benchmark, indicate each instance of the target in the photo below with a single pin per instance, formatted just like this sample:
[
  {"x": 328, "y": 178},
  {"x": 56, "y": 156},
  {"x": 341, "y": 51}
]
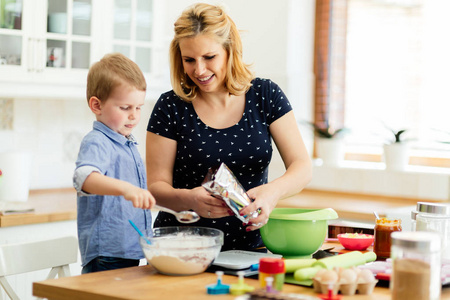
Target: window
[{"x": 388, "y": 67}]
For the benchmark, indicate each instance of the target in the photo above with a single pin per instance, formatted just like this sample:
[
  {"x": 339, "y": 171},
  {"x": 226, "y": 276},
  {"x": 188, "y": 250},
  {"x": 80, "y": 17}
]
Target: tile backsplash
[
  {"x": 6, "y": 114},
  {"x": 52, "y": 131}
]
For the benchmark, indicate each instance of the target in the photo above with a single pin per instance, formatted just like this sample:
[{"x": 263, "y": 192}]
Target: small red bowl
[{"x": 355, "y": 241}]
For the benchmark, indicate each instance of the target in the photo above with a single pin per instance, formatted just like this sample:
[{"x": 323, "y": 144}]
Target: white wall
[{"x": 271, "y": 31}]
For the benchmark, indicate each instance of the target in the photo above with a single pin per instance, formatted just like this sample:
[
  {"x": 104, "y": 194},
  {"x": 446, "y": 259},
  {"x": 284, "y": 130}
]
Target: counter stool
[{"x": 56, "y": 254}]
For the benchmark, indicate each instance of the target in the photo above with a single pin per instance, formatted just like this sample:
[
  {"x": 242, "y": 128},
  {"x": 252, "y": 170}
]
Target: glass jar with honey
[{"x": 382, "y": 242}]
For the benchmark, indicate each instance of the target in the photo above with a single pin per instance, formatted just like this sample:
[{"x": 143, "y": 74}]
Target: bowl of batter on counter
[{"x": 183, "y": 250}]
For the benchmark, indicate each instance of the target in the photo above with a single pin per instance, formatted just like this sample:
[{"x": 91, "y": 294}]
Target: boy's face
[{"x": 122, "y": 110}]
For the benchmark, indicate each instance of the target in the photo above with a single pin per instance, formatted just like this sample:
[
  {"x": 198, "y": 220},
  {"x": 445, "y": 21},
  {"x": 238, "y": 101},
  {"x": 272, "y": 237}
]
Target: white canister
[{"x": 16, "y": 174}]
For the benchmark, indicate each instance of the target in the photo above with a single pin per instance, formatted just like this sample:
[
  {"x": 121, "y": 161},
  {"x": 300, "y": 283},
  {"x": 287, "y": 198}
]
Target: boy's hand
[
  {"x": 139, "y": 197},
  {"x": 100, "y": 184}
]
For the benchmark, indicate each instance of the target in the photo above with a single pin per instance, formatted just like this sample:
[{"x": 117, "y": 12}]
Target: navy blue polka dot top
[{"x": 246, "y": 148}]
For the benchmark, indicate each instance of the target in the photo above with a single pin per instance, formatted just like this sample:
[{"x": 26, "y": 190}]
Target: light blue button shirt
[{"x": 103, "y": 227}]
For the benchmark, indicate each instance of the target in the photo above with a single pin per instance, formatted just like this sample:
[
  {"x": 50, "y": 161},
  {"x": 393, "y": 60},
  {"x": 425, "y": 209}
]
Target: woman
[{"x": 218, "y": 112}]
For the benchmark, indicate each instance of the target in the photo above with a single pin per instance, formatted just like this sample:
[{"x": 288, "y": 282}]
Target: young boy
[{"x": 110, "y": 178}]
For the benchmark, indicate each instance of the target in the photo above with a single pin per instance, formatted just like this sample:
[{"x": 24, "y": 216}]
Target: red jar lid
[{"x": 271, "y": 265}]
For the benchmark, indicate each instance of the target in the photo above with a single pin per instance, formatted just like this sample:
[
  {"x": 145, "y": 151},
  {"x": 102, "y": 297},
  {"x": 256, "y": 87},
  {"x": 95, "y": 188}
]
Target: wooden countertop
[
  {"x": 60, "y": 205},
  {"x": 49, "y": 206},
  {"x": 145, "y": 283}
]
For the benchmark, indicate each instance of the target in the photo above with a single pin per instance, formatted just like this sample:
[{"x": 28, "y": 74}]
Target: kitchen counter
[
  {"x": 145, "y": 283},
  {"x": 49, "y": 206},
  {"x": 60, "y": 205}
]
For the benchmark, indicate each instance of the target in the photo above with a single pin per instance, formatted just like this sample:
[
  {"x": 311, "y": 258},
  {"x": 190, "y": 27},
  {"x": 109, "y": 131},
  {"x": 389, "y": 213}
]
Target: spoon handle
[
  {"x": 184, "y": 216},
  {"x": 165, "y": 209}
]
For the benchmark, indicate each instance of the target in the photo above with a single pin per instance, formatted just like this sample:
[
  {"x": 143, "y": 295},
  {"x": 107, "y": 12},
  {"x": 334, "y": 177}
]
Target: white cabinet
[{"x": 47, "y": 46}]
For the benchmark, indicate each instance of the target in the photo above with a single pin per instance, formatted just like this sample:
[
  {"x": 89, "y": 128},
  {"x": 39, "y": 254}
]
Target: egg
[
  {"x": 319, "y": 274},
  {"x": 347, "y": 276},
  {"x": 366, "y": 276},
  {"x": 329, "y": 276},
  {"x": 357, "y": 270}
]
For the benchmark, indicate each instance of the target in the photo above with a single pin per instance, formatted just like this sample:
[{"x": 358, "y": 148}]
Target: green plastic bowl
[{"x": 296, "y": 232}]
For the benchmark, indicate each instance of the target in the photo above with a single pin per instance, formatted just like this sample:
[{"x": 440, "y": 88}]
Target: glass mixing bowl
[{"x": 183, "y": 250}]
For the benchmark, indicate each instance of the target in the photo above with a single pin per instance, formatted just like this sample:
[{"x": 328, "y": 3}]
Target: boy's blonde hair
[
  {"x": 110, "y": 72},
  {"x": 209, "y": 20}
]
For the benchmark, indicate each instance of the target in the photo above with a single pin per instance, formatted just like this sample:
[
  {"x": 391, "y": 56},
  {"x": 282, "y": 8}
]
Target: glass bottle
[
  {"x": 435, "y": 217},
  {"x": 382, "y": 241}
]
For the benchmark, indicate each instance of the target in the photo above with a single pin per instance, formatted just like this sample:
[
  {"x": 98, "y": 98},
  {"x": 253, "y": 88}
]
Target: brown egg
[
  {"x": 319, "y": 274},
  {"x": 365, "y": 276},
  {"x": 357, "y": 270},
  {"x": 329, "y": 276},
  {"x": 347, "y": 276}
]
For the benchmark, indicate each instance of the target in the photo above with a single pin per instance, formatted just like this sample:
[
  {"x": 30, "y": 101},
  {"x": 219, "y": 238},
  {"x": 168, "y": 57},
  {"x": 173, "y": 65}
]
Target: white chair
[{"x": 56, "y": 254}]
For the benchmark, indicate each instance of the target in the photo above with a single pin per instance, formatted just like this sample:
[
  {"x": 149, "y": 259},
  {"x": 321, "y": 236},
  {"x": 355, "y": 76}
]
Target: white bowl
[{"x": 182, "y": 250}]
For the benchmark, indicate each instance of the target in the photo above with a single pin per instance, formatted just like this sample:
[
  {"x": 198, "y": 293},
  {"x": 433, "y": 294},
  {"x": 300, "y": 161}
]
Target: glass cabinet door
[
  {"x": 11, "y": 35},
  {"x": 133, "y": 27},
  {"x": 69, "y": 34}
]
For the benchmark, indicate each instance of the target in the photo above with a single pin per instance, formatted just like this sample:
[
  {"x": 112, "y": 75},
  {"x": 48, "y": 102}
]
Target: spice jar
[
  {"x": 435, "y": 217},
  {"x": 382, "y": 237},
  {"x": 416, "y": 266},
  {"x": 271, "y": 267}
]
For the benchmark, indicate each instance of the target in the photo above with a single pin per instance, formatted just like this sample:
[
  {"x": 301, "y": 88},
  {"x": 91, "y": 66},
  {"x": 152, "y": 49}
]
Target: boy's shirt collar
[{"x": 113, "y": 135}]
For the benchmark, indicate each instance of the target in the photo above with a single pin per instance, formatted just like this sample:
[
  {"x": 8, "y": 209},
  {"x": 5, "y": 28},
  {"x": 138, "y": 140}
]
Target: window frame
[{"x": 329, "y": 64}]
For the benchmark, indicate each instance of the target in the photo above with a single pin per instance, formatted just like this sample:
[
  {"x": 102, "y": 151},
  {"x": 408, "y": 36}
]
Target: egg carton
[
  {"x": 361, "y": 282},
  {"x": 347, "y": 289},
  {"x": 383, "y": 269}
]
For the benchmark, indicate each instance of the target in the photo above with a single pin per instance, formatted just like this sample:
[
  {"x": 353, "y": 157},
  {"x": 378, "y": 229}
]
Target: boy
[{"x": 109, "y": 170}]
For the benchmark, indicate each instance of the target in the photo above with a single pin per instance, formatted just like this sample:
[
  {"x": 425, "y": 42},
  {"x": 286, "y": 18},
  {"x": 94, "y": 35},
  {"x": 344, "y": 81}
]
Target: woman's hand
[
  {"x": 265, "y": 199},
  {"x": 207, "y": 206},
  {"x": 298, "y": 173}
]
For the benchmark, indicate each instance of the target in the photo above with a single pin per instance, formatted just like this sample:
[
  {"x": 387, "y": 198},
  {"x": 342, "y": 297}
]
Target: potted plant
[
  {"x": 329, "y": 144},
  {"x": 396, "y": 151}
]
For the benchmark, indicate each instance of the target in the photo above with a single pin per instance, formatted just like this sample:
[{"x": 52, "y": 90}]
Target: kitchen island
[{"x": 144, "y": 282}]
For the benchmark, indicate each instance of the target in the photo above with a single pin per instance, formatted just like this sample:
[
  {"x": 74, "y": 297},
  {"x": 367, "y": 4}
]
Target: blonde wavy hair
[{"x": 208, "y": 20}]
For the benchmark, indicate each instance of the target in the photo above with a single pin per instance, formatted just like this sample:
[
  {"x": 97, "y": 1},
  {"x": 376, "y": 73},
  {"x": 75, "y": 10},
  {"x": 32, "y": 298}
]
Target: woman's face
[{"x": 205, "y": 62}]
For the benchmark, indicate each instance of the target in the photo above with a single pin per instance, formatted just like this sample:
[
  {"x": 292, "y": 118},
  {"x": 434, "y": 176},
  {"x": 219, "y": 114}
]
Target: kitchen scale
[{"x": 232, "y": 261}]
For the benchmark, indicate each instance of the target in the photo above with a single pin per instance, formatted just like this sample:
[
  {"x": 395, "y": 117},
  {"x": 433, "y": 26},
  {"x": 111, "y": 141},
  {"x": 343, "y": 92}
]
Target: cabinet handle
[
  {"x": 41, "y": 56},
  {"x": 30, "y": 54}
]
